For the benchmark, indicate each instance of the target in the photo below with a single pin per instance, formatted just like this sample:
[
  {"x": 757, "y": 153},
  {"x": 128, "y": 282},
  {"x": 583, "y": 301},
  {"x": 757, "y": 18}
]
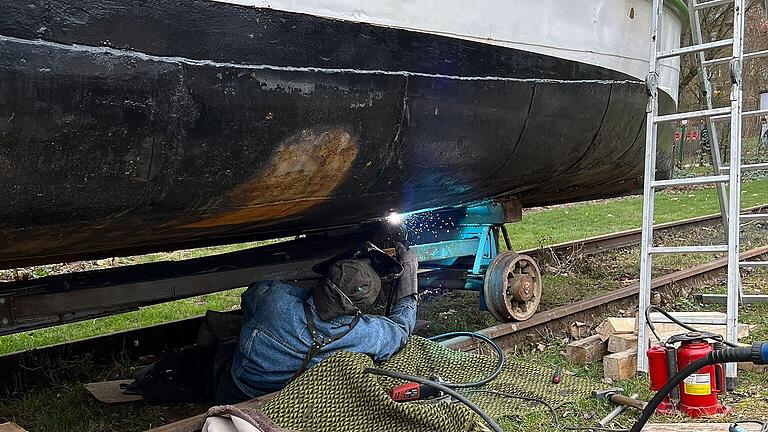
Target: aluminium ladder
[{"x": 727, "y": 178}]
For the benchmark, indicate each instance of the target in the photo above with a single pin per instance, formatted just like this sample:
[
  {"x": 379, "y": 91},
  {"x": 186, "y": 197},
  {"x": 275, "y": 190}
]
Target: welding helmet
[
  {"x": 386, "y": 266},
  {"x": 349, "y": 286}
]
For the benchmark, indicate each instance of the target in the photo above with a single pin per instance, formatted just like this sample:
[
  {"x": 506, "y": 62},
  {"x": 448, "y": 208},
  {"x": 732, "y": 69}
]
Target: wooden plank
[
  {"x": 11, "y": 427},
  {"x": 692, "y": 318},
  {"x": 193, "y": 424},
  {"x": 696, "y": 427},
  {"x": 586, "y": 350},
  {"x": 110, "y": 393},
  {"x": 667, "y": 330},
  {"x": 620, "y": 365},
  {"x": 613, "y": 326},
  {"x": 621, "y": 342}
]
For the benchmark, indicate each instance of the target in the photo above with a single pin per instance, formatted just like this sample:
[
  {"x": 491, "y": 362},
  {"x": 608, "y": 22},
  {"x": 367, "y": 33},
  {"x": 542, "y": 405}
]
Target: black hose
[
  {"x": 752, "y": 353},
  {"x": 489, "y": 341},
  {"x": 442, "y": 388}
]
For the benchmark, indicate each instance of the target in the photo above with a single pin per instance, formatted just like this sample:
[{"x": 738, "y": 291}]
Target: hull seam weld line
[{"x": 175, "y": 60}]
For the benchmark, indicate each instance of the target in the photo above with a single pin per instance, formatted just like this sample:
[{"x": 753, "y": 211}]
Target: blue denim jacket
[{"x": 275, "y": 339}]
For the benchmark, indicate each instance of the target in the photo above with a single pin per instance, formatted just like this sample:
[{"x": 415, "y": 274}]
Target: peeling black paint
[{"x": 106, "y": 152}]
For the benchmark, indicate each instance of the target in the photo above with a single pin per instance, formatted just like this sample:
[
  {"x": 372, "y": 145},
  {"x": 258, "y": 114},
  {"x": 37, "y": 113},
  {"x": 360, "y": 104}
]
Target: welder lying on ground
[{"x": 288, "y": 329}]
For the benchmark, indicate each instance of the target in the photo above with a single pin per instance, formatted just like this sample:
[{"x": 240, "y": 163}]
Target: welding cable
[
  {"x": 443, "y": 388},
  {"x": 655, "y": 308},
  {"x": 489, "y": 341},
  {"x": 757, "y": 354},
  {"x": 555, "y": 418},
  {"x": 594, "y": 428}
]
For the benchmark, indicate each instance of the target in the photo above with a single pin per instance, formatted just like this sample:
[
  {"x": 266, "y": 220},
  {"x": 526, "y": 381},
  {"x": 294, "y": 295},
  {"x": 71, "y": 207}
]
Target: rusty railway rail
[
  {"x": 160, "y": 337},
  {"x": 603, "y": 243},
  {"x": 559, "y": 318}
]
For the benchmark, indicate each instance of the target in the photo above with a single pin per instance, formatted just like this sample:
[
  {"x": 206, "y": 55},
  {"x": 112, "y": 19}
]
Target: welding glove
[{"x": 408, "y": 284}]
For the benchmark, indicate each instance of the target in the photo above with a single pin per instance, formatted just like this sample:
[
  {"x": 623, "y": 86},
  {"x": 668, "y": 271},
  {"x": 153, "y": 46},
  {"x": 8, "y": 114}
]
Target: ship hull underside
[{"x": 162, "y": 125}]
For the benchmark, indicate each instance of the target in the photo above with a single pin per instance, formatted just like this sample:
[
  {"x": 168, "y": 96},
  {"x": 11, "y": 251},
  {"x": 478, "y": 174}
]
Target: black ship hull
[{"x": 138, "y": 126}]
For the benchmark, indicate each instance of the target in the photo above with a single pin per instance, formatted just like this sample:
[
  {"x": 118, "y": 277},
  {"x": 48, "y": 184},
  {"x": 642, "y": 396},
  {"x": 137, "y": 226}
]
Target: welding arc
[
  {"x": 489, "y": 341},
  {"x": 443, "y": 388}
]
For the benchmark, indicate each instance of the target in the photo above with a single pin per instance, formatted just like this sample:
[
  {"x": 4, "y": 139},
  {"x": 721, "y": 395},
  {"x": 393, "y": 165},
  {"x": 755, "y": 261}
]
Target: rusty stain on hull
[{"x": 305, "y": 169}]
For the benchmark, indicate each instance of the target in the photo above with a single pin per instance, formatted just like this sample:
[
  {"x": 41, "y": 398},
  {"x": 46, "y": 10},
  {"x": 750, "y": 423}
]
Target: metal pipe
[{"x": 605, "y": 421}]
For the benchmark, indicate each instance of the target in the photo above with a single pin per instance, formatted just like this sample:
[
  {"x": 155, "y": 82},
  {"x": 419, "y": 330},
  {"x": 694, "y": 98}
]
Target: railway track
[
  {"x": 560, "y": 318},
  {"x": 593, "y": 245},
  {"x": 157, "y": 338}
]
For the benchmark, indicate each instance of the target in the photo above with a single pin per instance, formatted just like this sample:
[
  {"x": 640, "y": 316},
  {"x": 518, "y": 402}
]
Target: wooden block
[
  {"x": 586, "y": 350},
  {"x": 110, "y": 392},
  {"x": 621, "y": 365},
  {"x": 696, "y": 427},
  {"x": 616, "y": 325},
  {"x": 621, "y": 342},
  {"x": 11, "y": 427}
]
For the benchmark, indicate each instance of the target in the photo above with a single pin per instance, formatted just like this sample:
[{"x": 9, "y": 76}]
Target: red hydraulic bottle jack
[
  {"x": 659, "y": 374},
  {"x": 698, "y": 393}
]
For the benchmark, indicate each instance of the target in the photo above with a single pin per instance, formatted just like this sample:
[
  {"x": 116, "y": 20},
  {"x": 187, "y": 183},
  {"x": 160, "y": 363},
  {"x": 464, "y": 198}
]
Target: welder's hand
[{"x": 408, "y": 284}]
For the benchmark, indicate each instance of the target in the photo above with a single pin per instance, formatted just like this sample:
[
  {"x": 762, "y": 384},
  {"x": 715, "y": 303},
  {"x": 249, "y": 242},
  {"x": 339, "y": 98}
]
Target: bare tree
[{"x": 716, "y": 24}]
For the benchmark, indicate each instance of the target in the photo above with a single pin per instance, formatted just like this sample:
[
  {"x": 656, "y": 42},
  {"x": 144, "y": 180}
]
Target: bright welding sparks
[{"x": 395, "y": 218}]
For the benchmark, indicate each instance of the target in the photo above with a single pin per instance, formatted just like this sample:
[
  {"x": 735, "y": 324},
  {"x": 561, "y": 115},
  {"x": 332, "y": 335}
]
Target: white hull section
[{"x": 613, "y": 34}]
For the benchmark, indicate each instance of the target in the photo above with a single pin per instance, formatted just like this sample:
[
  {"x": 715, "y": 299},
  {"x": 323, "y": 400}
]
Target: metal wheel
[{"x": 512, "y": 287}]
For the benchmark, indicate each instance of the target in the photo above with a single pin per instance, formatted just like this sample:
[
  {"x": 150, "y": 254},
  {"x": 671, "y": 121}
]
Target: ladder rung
[
  {"x": 753, "y": 216},
  {"x": 756, "y": 113},
  {"x": 745, "y": 114},
  {"x": 693, "y": 114},
  {"x": 694, "y": 48},
  {"x": 660, "y": 184},
  {"x": 726, "y": 60},
  {"x": 748, "y": 167},
  {"x": 754, "y": 264},
  {"x": 687, "y": 249},
  {"x": 711, "y": 4},
  {"x": 723, "y": 299}
]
